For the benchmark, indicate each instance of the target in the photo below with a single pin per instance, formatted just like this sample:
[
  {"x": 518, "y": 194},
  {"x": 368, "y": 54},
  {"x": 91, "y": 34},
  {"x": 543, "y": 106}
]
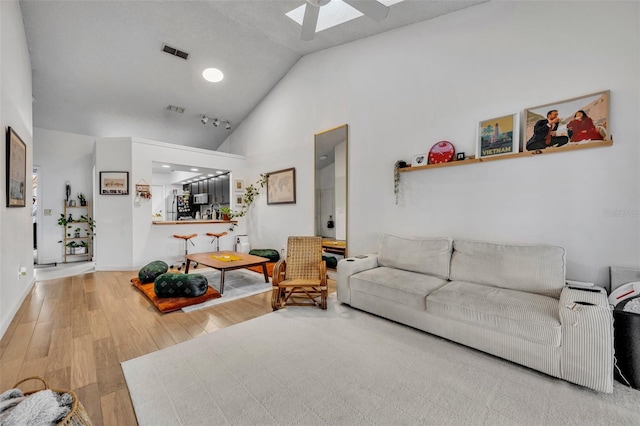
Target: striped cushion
[
  {"x": 404, "y": 287},
  {"x": 536, "y": 269},
  {"x": 426, "y": 255},
  {"x": 530, "y": 316}
]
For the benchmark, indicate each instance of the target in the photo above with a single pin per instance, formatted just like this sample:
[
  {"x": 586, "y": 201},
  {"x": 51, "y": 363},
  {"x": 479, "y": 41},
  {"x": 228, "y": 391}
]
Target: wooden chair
[{"x": 303, "y": 274}]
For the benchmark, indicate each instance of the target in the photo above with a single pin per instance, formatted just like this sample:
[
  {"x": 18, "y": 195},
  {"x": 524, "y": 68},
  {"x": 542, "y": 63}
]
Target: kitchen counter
[{"x": 191, "y": 222}]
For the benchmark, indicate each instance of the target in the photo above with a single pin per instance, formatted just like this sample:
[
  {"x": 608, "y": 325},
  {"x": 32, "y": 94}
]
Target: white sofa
[{"x": 511, "y": 301}]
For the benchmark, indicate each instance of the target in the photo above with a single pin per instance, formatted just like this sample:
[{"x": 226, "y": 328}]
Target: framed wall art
[
  {"x": 419, "y": 160},
  {"x": 498, "y": 136},
  {"x": 281, "y": 186},
  {"x": 16, "y": 170},
  {"x": 239, "y": 200},
  {"x": 581, "y": 120},
  {"x": 238, "y": 184},
  {"x": 114, "y": 183}
]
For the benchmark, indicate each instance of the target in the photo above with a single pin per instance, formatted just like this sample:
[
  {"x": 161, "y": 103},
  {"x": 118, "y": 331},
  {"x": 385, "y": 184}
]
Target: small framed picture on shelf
[
  {"x": 498, "y": 136},
  {"x": 460, "y": 156},
  {"x": 419, "y": 160}
]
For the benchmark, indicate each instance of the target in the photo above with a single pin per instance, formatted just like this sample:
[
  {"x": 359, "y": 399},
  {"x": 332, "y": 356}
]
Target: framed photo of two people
[{"x": 576, "y": 121}]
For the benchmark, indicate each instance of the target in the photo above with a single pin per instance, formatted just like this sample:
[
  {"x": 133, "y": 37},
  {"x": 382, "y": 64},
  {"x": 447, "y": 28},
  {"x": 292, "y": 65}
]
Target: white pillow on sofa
[{"x": 417, "y": 254}]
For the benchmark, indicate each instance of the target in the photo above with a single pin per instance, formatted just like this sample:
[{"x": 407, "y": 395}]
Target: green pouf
[
  {"x": 153, "y": 270},
  {"x": 332, "y": 262},
  {"x": 270, "y": 254},
  {"x": 180, "y": 285}
]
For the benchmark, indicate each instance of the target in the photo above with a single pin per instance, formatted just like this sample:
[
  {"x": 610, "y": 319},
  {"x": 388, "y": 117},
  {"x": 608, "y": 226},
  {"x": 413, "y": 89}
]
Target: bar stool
[
  {"x": 186, "y": 251},
  {"x": 216, "y": 238}
]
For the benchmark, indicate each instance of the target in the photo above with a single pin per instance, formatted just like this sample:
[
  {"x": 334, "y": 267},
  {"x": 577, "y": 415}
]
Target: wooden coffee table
[{"x": 223, "y": 266}]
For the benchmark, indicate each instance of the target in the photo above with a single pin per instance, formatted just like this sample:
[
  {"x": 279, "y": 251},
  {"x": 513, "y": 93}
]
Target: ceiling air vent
[{"x": 175, "y": 52}]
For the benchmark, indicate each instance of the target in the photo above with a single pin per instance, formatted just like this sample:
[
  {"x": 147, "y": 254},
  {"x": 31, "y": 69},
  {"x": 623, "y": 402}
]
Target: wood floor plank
[
  {"x": 9, "y": 373},
  {"x": 17, "y": 347},
  {"x": 89, "y": 397},
  {"x": 60, "y": 353},
  {"x": 32, "y": 367},
  {"x": 83, "y": 367},
  {"x": 117, "y": 409},
  {"x": 108, "y": 371},
  {"x": 40, "y": 341}
]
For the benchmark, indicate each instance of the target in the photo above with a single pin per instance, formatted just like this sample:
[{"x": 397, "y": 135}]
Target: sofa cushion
[
  {"x": 425, "y": 255},
  {"x": 535, "y": 269},
  {"x": 530, "y": 316},
  {"x": 404, "y": 287}
]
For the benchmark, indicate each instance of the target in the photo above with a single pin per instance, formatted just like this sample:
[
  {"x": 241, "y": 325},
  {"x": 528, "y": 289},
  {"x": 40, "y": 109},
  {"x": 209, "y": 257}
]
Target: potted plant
[
  {"x": 226, "y": 213},
  {"x": 71, "y": 247},
  {"x": 82, "y": 198}
]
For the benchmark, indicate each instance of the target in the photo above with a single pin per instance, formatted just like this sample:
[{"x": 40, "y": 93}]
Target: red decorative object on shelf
[{"x": 441, "y": 152}]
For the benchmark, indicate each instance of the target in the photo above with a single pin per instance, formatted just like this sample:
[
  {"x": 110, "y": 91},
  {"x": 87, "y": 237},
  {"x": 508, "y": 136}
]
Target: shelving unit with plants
[{"x": 78, "y": 233}]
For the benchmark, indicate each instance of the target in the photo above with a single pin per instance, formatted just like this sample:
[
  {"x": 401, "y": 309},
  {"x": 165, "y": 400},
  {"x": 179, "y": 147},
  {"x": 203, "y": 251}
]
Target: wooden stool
[
  {"x": 216, "y": 238},
  {"x": 186, "y": 251}
]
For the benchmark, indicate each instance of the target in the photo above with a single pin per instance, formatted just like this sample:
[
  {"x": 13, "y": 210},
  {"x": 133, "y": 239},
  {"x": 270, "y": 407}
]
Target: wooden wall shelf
[{"x": 550, "y": 150}]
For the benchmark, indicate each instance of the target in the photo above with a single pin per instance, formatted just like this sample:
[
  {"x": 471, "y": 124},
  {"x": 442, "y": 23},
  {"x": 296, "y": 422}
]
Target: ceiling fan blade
[
  {"x": 371, "y": 8},
  {"x": 309, "y": 22}
]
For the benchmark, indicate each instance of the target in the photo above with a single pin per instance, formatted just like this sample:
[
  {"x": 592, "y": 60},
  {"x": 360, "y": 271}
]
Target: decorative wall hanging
[
  {"x": 114, "y": 183},
  {"x": 497, "y": 136},
  {"x": 16, "y": 170},
  {"x": 281, "y": 186},
  {"x": 575, "y": 121},
  {"x": 143, "y": 190}
]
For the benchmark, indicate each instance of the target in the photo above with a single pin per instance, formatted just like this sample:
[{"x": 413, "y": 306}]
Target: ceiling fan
[{"x": 371, "y": 8}]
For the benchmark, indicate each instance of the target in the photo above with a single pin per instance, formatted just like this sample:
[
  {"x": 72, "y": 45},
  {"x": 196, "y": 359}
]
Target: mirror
[{"x": 331, "y": 177}]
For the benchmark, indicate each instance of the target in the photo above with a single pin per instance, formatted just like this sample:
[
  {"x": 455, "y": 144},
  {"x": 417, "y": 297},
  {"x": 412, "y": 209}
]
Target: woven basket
[{"x": 76, "y": 417}]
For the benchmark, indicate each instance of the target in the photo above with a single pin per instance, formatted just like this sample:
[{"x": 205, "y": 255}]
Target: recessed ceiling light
[
  {"x": 194, "y": 169},
  {"x": 323, "y": 157},
  {"x": 219, "y": 172},
  {"x": 166, "y": 166},
  {"x": 213, "y": 75},
  {"x": 210, "y": 174}
]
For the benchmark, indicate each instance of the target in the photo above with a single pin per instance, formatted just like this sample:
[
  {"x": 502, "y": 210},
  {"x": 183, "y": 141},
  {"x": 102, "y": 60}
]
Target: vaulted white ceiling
[{"x": 98, "y": 68}]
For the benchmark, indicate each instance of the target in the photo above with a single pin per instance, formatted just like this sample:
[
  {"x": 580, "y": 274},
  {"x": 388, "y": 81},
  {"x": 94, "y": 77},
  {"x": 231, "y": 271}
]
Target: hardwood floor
[{"x": 75, "y": 332}]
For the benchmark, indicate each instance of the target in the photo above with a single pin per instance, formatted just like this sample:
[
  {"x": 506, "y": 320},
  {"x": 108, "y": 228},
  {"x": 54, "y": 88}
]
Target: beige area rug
[{"x": 305, "y": 366}]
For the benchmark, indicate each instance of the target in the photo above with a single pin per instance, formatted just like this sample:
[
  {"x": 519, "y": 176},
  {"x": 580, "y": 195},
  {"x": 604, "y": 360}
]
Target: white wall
[
  {"x": 60, "y": 157},
  {"x": 16, "y": 226},
  {"x": 155, "y": 242},
  {"x": 404, "y": 90},
  {"x": 113, "y": 242}
]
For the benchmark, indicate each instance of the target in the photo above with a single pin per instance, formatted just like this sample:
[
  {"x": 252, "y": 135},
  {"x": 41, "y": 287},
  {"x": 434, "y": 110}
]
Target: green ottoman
[{"x": 270, "y": 254}]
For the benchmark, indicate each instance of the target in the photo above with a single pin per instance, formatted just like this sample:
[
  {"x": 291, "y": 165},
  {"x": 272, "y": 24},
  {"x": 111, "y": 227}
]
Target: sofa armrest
[
  {"x": 587, "y": 337},
  {"x": 348, "y": 267}
]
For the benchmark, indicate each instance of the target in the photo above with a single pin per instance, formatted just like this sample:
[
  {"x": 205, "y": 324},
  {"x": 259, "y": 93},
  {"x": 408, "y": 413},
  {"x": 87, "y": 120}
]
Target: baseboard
[
  {"x": 5, "y": 326},
  {"x": 116, "y": 268}
]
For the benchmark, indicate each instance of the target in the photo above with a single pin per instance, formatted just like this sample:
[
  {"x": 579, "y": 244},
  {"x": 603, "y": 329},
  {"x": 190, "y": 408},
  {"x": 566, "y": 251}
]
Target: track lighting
[{"x": 204, "y": 119}]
